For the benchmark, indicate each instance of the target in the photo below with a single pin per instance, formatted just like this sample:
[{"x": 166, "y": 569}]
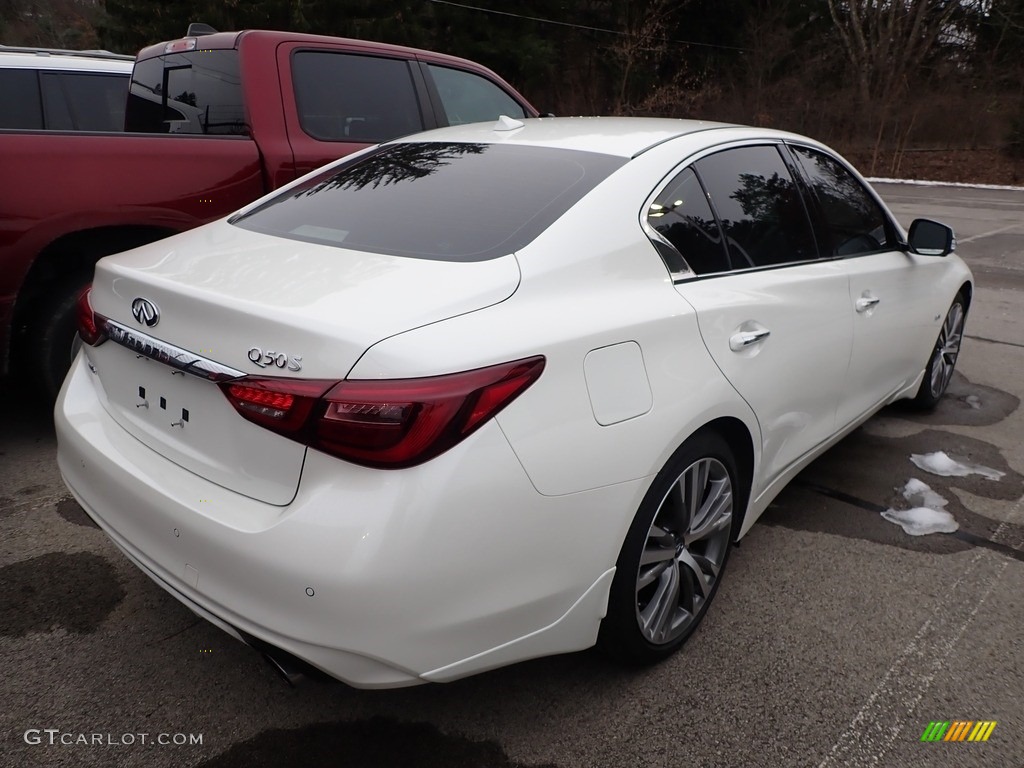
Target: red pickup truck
[{"x": 212, "y": 123}]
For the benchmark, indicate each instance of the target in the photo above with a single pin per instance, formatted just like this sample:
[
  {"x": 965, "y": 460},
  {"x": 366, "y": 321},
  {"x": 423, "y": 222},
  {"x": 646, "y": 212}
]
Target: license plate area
[{"x": 189, "y": 421}]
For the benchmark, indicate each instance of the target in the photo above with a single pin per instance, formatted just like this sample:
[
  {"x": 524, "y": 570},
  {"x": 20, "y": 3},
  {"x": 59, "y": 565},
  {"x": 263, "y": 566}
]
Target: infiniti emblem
[{"x": 145, "y": 312}]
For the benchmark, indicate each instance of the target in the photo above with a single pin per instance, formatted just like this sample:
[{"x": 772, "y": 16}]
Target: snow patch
[
  {"x": 920, "y": 521},
  {"x": 939, "y": 463},
  {"x": 921, "y": 495},
  {"x": 920, "y": 183}
]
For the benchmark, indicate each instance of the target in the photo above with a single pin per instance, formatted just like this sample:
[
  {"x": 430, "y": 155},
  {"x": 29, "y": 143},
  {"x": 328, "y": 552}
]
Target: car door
[
  {"x": 771, "y": 313},
  {"x": 891, "y": 311}
]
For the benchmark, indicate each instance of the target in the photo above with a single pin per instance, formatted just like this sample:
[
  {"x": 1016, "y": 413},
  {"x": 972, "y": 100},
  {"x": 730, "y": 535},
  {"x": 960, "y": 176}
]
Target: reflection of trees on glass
[
  {"x": 401, "y": 162},
  {"x": 186, "y": 98},
  {"x": 775, "y": 228},
  {"x": 760, "y": 198},
  {"x": 856, "y": 223}
]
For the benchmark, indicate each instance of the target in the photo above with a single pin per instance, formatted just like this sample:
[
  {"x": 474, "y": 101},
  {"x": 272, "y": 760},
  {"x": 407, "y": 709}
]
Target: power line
[{"x": 579, "y": 26}]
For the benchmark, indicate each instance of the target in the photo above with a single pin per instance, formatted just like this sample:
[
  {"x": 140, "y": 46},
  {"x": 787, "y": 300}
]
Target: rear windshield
[
  {"x": 448, "y": 202},
  {"x": 192, "y": 92}
]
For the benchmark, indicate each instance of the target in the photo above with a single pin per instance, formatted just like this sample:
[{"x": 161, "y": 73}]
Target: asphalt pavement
[{"x": 835, "y": 640}]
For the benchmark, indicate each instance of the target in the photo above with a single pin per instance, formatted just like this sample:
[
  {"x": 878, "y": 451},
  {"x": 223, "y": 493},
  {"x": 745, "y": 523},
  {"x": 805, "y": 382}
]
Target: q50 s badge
[{"x": 268, "y": 358}]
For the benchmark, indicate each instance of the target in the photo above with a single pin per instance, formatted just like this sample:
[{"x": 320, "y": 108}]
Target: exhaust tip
[{"x": 288, "y": 671}]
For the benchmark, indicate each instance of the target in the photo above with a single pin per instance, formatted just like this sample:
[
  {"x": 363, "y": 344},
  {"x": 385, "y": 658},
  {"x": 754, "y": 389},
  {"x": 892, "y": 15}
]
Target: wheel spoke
[
  {"x": 696, "y": 574},
  {"x": 715, "y": 514},
  {"x": 656, "y": 617}
]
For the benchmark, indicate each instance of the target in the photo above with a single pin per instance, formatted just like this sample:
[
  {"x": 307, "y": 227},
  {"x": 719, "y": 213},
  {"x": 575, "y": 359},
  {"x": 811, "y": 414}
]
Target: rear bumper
[{"x": 378, "y": 578}]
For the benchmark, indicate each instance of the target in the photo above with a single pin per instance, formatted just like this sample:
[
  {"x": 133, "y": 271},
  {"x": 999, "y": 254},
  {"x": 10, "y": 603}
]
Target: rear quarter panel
[{"x": 590, "y": 281}]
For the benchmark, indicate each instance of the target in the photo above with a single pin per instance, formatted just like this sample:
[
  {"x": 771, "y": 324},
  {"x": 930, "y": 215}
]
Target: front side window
[
  {"x": 762, "y": 213},
  {"x": 192, "y": 92},
  {"x": 854, "y": 221},
  {"x": 681, "y": 214},
  {"x": 348, "y": 97},
  {"x": 19, "y": 97},
  {"x": 469, "y": 98},
  {"x": 441, "y": 201},
  {"x": 84, "y": 102}
]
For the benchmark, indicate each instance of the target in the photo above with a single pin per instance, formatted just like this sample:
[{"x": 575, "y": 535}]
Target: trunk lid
[{"x": 265, "y": 306}]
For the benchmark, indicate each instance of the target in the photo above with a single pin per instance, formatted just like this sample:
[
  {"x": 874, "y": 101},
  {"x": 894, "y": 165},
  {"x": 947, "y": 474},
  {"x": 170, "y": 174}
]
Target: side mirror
[{"x": 930, "y": 238}]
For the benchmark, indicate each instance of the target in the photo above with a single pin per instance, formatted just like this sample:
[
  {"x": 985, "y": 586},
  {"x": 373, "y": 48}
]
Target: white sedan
[{"x": 496, "y": 391}]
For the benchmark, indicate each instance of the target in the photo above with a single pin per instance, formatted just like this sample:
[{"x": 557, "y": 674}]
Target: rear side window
[
  {"x": 470, "y": 98},
  {"x": 854, "y": 221},
  {"x": 448, "y": 202},
  {"x": 681, "y": 214},
  {"x": 763, "y": 217},
  {"x": 347, "y": 97},
  {"x": 19, "y": 100},
  {"x": 84, "y": 102},
  {"x": 192, "y": 92}
]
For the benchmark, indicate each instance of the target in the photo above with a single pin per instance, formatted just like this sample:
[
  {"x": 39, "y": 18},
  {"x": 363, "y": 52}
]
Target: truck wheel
[
  {"x": 675, "y": 553},
  {"x": 53, "y": 332}
]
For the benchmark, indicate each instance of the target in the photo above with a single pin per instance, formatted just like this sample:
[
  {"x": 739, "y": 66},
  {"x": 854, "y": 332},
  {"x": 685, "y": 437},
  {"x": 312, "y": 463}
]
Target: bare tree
[{"x": 887, "y": 40}]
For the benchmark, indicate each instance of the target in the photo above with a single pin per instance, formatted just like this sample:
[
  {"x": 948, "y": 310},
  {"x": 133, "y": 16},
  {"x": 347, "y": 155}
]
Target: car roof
[
  {"x": 621, "y": 136},
  {"x": 228, "y": 40},
  {"x": 51, "y": 58}
]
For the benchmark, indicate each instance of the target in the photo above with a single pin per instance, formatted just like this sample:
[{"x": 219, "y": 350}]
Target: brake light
[
  {"x": 90, "y": 325},
  {"x": 178, "y": 46},
  {"x": 282, "y": 405},
  {"x": 386, "y": 423}
]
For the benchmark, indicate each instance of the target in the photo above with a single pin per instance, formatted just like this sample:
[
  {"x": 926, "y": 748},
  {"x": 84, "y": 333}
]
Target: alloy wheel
[
  {"x": 947, "y": 348},
  {"x": 684, "y": 552}
]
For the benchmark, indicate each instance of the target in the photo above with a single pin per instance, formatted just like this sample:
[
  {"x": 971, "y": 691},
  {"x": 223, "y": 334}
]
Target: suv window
[
  {"x": 681, "y": 214},
  {"x": 192, "y": 92},
  {"x": 19, "y": 95},
  {"x": 854, "y": 221},
  {"x": 84, "y": 102},
  {"x": 762, "y": 213},
  {"x": 348, "y": 97},
  {"x": 470, "y": 98},
  {"x": 433, "y": 200}
]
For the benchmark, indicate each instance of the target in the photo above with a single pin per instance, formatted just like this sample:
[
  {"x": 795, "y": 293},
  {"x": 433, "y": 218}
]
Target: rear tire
[
  {"x": 675, "y": 553},
  {"x": 942, "y": 362}
]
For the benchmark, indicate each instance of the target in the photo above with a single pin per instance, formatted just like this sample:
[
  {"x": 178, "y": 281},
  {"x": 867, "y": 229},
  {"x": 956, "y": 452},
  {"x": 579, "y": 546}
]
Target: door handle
[
  {"x": 743, "y": 339},
  {"x": 866, "y": 302}
]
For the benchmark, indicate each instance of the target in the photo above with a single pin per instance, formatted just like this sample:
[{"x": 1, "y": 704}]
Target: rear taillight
[
  {"x": 387, "y": 423},
  {"x": 90, "y": 326}
]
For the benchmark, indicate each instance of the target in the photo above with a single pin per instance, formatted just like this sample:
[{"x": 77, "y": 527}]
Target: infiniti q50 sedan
[{"x": 495, "y": 391}]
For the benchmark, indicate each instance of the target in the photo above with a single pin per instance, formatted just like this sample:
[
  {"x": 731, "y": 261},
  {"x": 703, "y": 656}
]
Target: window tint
[
  {"x": 450, "y": 202},
  {"x": 470, "y": 98},
  {"x": 855, "y": 223},
  {"x": 345, "y": 97},
  {"x": 19, "y": 95},
  {"x": 84, "y": 102},
  {"x": 193, "y": 92},
  {"x": 55, "y": 103},
  {"x": 681, "y": 214},
  {"x": 762, "y": 214}
]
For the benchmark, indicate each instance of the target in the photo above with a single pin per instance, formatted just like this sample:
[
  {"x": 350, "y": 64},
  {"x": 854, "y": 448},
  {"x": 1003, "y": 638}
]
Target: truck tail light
[
  {"x": 386, "y": 423},
  {"x": 90, "y": 325}
]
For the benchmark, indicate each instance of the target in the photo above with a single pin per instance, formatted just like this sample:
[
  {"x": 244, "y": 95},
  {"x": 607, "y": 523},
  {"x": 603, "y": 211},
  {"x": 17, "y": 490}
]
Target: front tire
[
  {"x": 675, "y": 553},
  {"x": 939, "y": 371}
]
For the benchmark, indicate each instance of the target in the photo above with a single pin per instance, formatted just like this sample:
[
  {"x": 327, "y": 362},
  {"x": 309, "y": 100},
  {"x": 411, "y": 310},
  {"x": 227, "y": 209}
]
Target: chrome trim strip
[{"x": 180, "y": 359}]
